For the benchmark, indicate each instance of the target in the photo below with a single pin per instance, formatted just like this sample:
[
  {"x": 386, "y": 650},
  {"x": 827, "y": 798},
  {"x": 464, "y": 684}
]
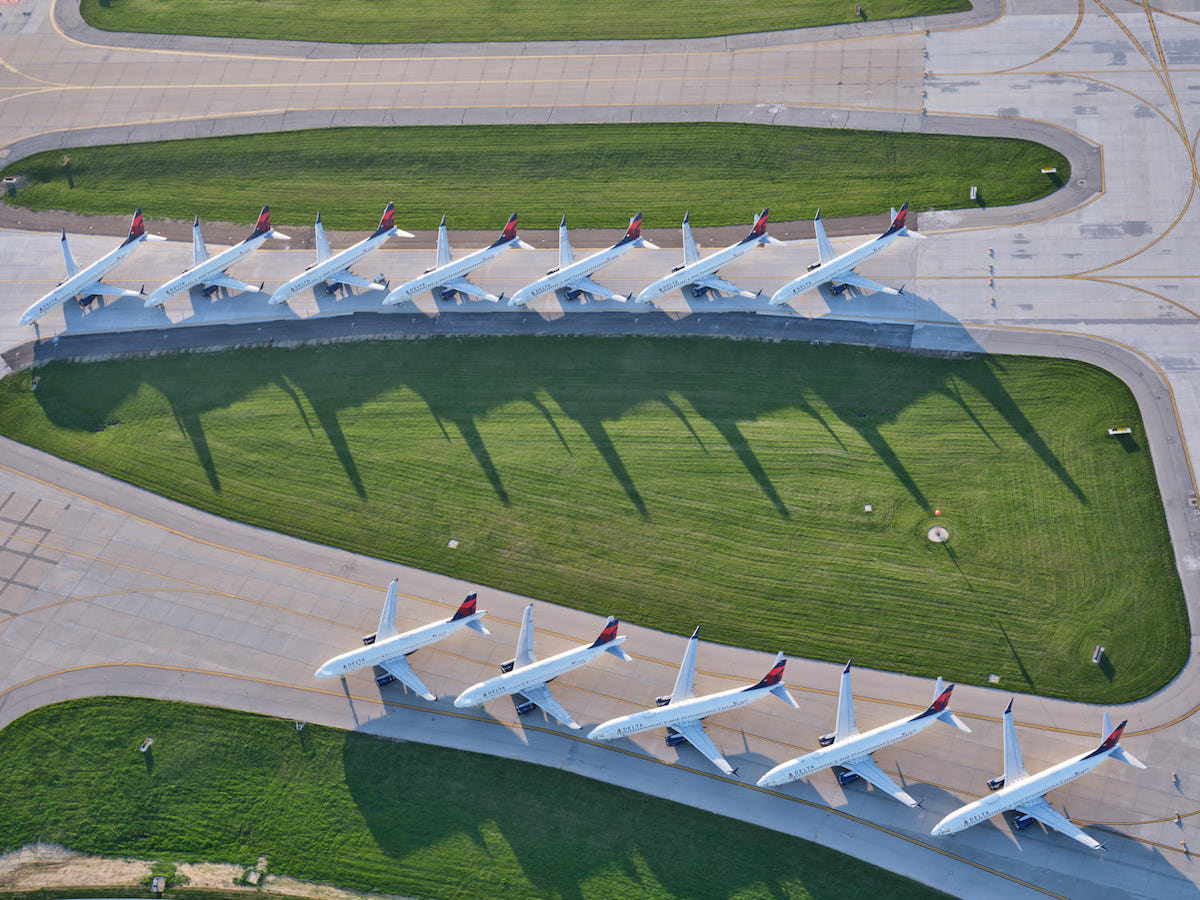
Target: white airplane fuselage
[
  {"x": 390, "y": 648},
  {"x": 847, "y": 749},
  {"x": 697, "y": 270},
  {"x": 456, "y": 268},
  {"x": 563, "y": 277},
  {"x": 829, "y": 272},
  {"x": 73, "y": 286},
  {"x": 1025, "y": 790},
  {"x": 316, "y": 273},
  {"x": 214, "y": 265},
  {"x": 674, "y": 713},
  {"x": 534, "y": 674}
]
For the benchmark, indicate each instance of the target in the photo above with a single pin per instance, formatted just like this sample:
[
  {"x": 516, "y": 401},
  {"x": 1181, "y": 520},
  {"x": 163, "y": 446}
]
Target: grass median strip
[
  {"x": 428, "y": 21},
  {"x": 599, "y": 175},
  {"x": 376, "y": 815},
  {"x": 676, "y": 482}
]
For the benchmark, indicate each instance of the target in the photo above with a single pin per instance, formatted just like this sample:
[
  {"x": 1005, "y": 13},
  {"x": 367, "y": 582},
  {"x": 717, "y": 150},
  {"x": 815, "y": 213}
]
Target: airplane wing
[
  {"x": 402, "y": 671},
  {"x": 698, "y": 738},
  {"x": 323, "y": 251},
  {"x": 845, "y": 712},
  {"x": 565, "y": 256},
  {"x": 443, "y": 245},
  {"x": 865, "y": 768},
  {"x": 199, "y": 251},
  {"x": 229, "y": 282},
  {"x": 685, "y": 681},
  {"x": 690, "y": 252},
  {"x": 68, "y": 259},
  {"x": 866, "y": 283},
  {"x": 824, "y": 246},
  {"x": 542, "y": 697},
  {"x": 347, "y": 277},
  {"x": 463, "y": 286},
  {"x": 587, "y": 286},
  {"x": 1014, "y": 764},
  {"x": 712, "y": 282},
  {"x": 387, "y": 619},
  {"x": 107, "y": 290},
  {"x": 525, "y": 655},
  {"x": 1044, "y": 813}
]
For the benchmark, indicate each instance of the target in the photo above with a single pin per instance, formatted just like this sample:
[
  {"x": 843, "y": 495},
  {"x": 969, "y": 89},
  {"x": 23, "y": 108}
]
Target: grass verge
[
  {"x": 674, "y": 482},
  {"x": 598, "y": 174},
  {"x": 428, "y": 21},
  {"x": 375, "y": 815}
]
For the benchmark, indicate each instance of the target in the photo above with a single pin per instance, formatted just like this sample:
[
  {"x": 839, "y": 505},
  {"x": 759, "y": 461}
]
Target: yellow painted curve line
[
  {"x": 569, "y": 736},
  {"x": 1051, "y": 52}
]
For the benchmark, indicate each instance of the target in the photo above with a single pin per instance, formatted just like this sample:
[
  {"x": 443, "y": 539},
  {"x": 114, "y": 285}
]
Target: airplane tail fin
[
  {"x": 137, "y": 230},
  {"x": 467, "y": 608},
  {"x": 940, "y": 707},
  {"x": 773, "y": 680},
  {"x": 759, "y": 231},
  {"x": 1111, "y": 744},
  {"x": 263, "y": 226},
  {"x": 633, "y": 234},
  {"x": 609, "y": 641},
  {"x": 510, "y": 234},
  {"x": 388, "y": 220},
  {"x": 899, "y": 224}
]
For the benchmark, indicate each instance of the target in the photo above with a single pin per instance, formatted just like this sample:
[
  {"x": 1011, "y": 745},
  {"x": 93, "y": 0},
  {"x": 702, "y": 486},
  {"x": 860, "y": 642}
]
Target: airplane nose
[{"x": 462, "y": 701}]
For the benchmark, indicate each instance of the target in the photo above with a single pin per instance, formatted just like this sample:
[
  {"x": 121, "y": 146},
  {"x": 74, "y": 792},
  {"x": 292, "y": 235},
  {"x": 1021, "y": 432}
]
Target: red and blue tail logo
[
  {"x": 898, "y": 221},
  {"x": 1109, "y": 742},
  {"x": 607, "y": 635},
  {"x": 510, "y": 230},
  {"x": 136, "y": 228},
  {"x": 772, "y": 678},
  {"x": 388, "y": 221},
  {"x": 635, "y": 227},
  {"x": 467, "y": 608},
  {"x": 263, "y": 225},
  {"x": 760, "y": 224}
]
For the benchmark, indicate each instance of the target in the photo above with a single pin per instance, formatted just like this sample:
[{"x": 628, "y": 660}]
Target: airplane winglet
[{"x": 846, "y": 670}]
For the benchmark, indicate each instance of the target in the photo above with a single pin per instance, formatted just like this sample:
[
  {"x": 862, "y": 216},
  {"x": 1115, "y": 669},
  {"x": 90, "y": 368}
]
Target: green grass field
[
  {"x": 599, "y": 174},
  {"x": 376, "y": 815},
  {"x": 674, "y": 482},
  {"x": 424, "y": 21}
]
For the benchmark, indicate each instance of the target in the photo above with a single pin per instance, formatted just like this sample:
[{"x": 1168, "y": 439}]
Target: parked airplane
[
  {"x": 525, "y": 675},
  {"x": 851, "y": 751},
  {"x": 838, "y": 271},
  {"x": 1018, "y": 790},
  {"x": 387, "y": 648},
  {"x": 334, "y": 270},
  {"x": 572, "y": 277},
  {"x": 701, "y": 274},
  {"x": 87, "y": 283},
  {"x": 209, "y": 272},
  {"x": 682, "y": 712},
  {"x": 449, "y": 277}
]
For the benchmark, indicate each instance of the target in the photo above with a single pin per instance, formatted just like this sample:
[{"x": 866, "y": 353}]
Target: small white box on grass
[{"x": 452, "y": 544}]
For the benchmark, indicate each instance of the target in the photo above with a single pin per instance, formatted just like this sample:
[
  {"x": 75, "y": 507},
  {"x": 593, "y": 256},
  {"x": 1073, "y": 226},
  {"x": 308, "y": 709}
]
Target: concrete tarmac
[{"x": 139, "y": 595}]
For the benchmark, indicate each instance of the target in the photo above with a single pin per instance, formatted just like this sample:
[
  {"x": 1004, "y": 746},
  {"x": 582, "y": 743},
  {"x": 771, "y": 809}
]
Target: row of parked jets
[
  {"x": 846, "y": 750},
  {"x": 448, "y": 277}
]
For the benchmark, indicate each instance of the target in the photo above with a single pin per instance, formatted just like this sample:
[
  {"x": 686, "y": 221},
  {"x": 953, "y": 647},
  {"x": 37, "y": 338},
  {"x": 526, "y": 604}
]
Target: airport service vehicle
[
  {"x": 838, "y": 271},
  {"x": 449, "y": 276},
  {"x": 86, "y": 283},
  {"x": 332, "y": 270},
  {"x": 572, "y": 277},
  {"x": 388, "y": 648},
  {"x": 849, "y": 752},
  {"x": 700, "y": 275},
  {"x": 524, "y": 674},
  {"x": 1017, "y": 790},
  {"x": 682, "y": 712},
  {"x": 208, "y": 273}
]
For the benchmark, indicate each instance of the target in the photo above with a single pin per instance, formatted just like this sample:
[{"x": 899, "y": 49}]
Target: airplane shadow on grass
[{"x": 594, "y": 389}]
